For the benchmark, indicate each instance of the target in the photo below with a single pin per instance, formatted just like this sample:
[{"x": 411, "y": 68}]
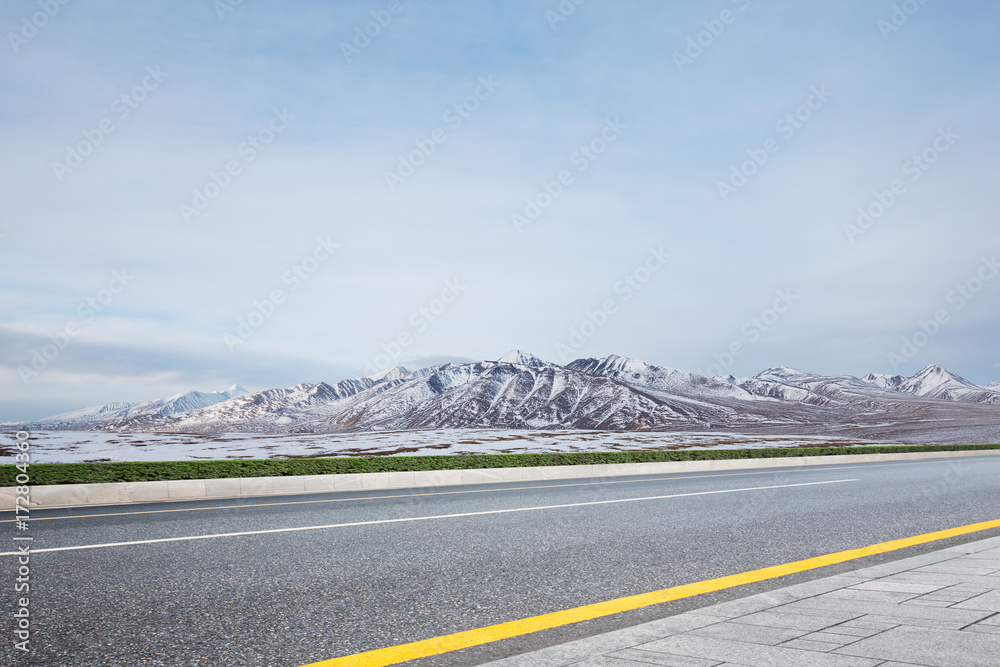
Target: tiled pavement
[{"x": 940, "y": 609}]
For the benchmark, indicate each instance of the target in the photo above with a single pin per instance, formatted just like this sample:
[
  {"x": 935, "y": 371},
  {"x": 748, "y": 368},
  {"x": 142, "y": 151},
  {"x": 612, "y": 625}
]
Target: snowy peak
[
  {"x": 932, "y": 380},
  {"x": 786, "y": 383},
  {"x": 661, "y": 380},
  {"x": 935, "y": 382},
  {"x": 884, "y": 381},
  {"x": 94, "y": 413},
  {"x": 781, "y": 374},
  {"x": 519, "y": 358},
  {"x": 613, "y": 366},
  {"x": 190, "y": 401},
  {"x": 95, "y": 416},
  {"x": 395, "y": 373}
]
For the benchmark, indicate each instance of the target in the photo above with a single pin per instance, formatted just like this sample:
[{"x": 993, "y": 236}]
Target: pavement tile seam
[
  {"x": 990, "y": 618},
  {"x": 662, "y": 659},
  {"x": 942, "y": 648},
  {"x": 896, "y": 611},
  {"x": 930, "y": 623},
  {"x": 866, "y": 623},
  {"x": 772, "y": 656},
  {"x": 897, "y": 587},
  {"x": 989, "y": 555},
  {"x": 657, "y": 657},
  {"x": 808, "y": 611},
  {"x": 786, "y": 621},
  {"x": 955, "y": 599},
  {"x": 830, "y": 638},
  {"x": 857, "y": 639},
  {"x": 851, "y": 632},
  {"x": 979, "y": 594},
  {"x": 896, "y": 567},
  {"x": 808, "y": 645},
  {"x": 947, "y": 599}
]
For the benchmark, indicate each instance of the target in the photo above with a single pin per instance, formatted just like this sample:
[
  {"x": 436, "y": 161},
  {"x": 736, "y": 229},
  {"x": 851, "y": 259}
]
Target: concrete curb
[{"x": 78, "y": 495}]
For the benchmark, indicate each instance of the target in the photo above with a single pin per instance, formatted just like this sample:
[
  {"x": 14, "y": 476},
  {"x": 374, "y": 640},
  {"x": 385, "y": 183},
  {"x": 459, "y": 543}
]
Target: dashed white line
[{"x": 422, "y": 518}]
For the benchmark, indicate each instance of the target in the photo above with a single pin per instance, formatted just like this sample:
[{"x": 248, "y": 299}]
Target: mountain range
[{"x": 521, "y": 391}]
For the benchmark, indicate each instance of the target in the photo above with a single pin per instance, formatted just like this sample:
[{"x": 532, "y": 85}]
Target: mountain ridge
[{"x": 522, "y": 391}]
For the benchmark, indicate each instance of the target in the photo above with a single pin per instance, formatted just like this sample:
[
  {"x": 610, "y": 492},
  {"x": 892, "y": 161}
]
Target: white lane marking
[{"x": 421, "y": 518}]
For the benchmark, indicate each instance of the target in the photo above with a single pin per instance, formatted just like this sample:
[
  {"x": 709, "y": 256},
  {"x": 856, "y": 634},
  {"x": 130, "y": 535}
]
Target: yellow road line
[
  {"x": 813, "y": 468},
  {"x": 421, "y": 649}
]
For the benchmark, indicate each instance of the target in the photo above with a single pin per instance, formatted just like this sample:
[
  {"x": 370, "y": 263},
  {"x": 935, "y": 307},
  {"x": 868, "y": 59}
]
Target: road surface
[{"x": 308, "y": 578}]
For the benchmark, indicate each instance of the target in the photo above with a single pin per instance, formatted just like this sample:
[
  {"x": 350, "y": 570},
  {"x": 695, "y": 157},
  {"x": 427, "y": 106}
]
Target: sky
[{"x": 199, "y": 193}]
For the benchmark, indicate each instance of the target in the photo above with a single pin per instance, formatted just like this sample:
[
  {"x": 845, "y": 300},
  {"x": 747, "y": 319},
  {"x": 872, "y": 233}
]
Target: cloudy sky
[{"x": 203, "y": 193}]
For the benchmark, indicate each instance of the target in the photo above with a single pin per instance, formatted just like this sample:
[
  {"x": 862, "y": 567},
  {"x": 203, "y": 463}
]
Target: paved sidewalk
[{"x": 935, "y": 610}]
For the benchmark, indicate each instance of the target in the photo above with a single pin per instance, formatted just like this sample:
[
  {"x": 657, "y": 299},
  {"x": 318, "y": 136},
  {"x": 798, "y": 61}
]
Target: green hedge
[{"x": 85, "y": 473}]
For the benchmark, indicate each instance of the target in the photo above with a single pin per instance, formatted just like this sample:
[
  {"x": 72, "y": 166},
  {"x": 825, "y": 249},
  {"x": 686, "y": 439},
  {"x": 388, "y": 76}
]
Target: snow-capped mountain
[
  {"x": 520, "y": 390},
  {"x": 497, "y": 394},
  {"x": 936, "y": 382},
  {"x": 519, "y": 358},
  {"x": 931, "y": 382},
  {"x": 790, "y": 384},
  {"x": 659, "y": 379},
  {"x": 94, "y": 417},
  {"x": 884, "y": 381},
  {"x": 262, "y": 411}
]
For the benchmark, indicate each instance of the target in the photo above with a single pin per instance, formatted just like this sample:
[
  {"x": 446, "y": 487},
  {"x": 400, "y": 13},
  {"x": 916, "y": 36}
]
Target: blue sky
[{"x": 337, "y": 265}]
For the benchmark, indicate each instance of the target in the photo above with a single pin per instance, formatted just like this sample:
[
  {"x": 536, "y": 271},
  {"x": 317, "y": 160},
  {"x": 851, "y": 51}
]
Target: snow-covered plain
[{"x": 86, "y": 446}]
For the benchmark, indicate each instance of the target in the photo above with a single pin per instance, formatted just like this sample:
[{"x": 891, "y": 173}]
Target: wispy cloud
[{"x": 324, "y": 174}]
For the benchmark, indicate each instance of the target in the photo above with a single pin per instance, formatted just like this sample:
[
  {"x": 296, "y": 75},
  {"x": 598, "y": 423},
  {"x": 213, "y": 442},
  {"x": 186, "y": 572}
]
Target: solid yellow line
[{"x": 459, "y": 640}]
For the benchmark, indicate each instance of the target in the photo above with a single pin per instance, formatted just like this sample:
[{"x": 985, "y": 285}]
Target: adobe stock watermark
[
  {"x": 294, "y": 277},
  {"x": 88, "y": 310},
  {"x": 788, "y": 125},
  {"x": 223, "y": 7},
  {"x": 956, "y": 299},
  {"x": 751, "y": 332},
  {"x": 420, "y": 320},
  {"x": 595, "y": 320},
  {"x": 956, "y": 470},
  {"x": 22, "y": 542},
  {"x": 562, "y": 12},
  {"x": 31, "y": 25},
  {"x": 899, "y": 17},
  {"x": 363, "y": 35},
  {"x": 914, "y": 169},
  {"x": 455, "y": 116},
  {"x": 704, "y": 39},
  {"x": 582, "y": 158},
  {"x": 121, "y": 107},
  {"x": 248, "y": 150}
]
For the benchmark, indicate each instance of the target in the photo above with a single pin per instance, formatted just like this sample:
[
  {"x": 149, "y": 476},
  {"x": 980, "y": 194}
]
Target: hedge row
[{"x": 87, "y": 473}]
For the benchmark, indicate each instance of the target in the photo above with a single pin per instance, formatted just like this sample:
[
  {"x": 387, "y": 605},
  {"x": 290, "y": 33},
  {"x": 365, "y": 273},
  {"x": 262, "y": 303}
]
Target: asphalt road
[{"x": 289, "y": 598}]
